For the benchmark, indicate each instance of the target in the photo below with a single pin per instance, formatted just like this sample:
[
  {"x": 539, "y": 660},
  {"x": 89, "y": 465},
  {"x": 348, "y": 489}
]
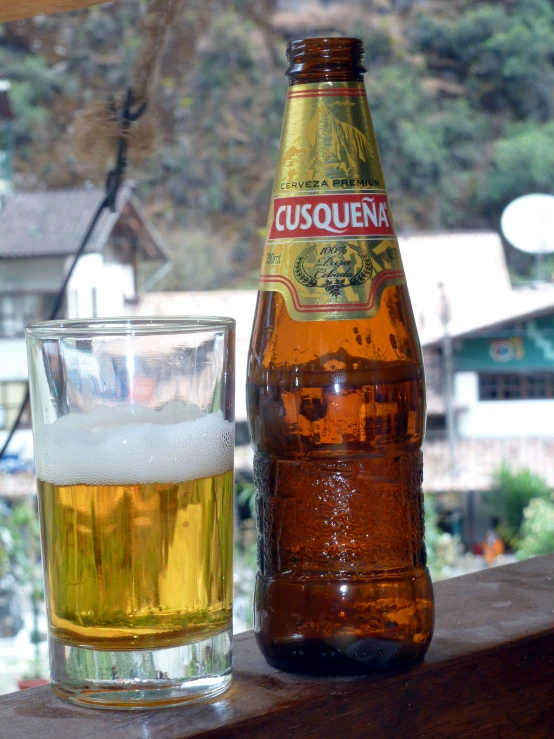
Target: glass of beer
[{"x": 133, "y": 426}]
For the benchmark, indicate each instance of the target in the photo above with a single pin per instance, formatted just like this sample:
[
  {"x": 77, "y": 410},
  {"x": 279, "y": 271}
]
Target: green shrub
[
  {"x": 537, "y": 530},
  {"x": 442, "y": 548},
  {"x": 511, "y": 494}
]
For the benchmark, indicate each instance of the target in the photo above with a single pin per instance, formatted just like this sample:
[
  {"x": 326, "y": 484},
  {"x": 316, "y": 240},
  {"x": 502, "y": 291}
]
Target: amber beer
[
  {"x": 142, "y": 566},
  {"x": 131, "y": 564},
  {"x": 336, "y": 394}
]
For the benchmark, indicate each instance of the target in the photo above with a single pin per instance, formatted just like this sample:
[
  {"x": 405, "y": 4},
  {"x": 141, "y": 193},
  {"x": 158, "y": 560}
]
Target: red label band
[
  {"x": 394, "y": 277},
  {"x": 332, "y": 216}
]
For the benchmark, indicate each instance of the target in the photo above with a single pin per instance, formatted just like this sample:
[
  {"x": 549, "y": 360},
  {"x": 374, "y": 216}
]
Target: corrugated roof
[
  {"x": 471, "y": 267},
  {"x": 521, "y": 304},
  {"x": 54, "y": 222}
]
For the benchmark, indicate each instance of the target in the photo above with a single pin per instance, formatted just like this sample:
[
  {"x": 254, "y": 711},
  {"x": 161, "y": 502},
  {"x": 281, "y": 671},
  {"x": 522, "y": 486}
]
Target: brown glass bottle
[{"x": 336, "y": 394}]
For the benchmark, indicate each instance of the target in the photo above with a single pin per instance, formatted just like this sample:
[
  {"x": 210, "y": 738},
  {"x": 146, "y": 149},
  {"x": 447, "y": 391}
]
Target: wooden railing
[{"x": 489, "y": 673}]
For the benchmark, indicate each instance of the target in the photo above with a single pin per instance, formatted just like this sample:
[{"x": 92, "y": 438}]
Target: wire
[{"x": 114, "y": 181}]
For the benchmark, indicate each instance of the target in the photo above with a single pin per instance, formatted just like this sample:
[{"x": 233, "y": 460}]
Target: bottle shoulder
[{"x": 385, "y": 343}]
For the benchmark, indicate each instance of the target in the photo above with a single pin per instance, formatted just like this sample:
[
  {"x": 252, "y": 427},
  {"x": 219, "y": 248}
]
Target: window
[
  {"x": 435, "y": 426},
  {"x": 11, "y": 397},
  {"x": 537, "y": 386},
  {"x": 508, "y": 386},
  {"x": 17, "y": 309},
  {"x": 435, "y": 422}
]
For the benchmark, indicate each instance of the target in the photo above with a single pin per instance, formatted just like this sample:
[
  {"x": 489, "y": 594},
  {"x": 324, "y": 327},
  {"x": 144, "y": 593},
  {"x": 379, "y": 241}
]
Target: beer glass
[{"x": 133, "y": 431}]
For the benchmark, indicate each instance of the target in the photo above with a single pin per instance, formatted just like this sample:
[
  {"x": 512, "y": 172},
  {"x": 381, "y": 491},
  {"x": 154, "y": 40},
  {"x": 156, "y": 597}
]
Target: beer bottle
[{"x": 335, "y": 394}]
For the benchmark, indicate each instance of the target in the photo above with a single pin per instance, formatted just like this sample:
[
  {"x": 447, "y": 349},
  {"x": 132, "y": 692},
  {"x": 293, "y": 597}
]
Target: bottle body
[{"x": 336, "y": 407}]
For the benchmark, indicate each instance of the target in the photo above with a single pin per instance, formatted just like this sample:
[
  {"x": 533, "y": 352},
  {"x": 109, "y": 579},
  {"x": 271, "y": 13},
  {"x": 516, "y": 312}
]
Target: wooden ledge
[{"x": 489, "y": 672}]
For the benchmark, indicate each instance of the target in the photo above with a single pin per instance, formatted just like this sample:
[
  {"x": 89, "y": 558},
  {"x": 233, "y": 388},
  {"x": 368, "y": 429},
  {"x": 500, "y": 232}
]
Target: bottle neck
[{"x": 325, "y": 60}]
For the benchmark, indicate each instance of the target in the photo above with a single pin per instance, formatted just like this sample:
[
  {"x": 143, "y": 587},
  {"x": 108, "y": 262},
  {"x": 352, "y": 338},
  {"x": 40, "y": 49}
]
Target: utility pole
[{"x": 448, "y": 364}]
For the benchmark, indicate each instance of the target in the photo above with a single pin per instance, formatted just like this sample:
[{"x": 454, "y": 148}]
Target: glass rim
[{"x": 128, "y": 326}]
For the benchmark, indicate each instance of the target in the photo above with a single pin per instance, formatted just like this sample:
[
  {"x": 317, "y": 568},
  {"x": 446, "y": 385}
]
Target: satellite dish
[{"x": 528, "y": 223}]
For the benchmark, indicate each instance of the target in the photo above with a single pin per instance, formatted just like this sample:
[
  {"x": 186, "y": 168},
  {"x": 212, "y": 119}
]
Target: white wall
[
  {"x": 499, "y": 419},
  {"x": 86, "y": 277},
  {"x": 117, "y": 285},
  {"x": 466, "y": 388},
  {"x": 112, "y": 283},
  {"x": 21, "y": 445},
  {"x": 13, "y": 366},
  {"x": 13, "y": 360}
]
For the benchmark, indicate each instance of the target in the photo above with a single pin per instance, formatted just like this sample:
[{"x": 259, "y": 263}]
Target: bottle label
[{"x": 331, "y": 247}]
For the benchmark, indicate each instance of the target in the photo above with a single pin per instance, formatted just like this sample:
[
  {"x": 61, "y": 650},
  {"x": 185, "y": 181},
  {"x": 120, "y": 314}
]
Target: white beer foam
[{"x": 128, "y": 445}]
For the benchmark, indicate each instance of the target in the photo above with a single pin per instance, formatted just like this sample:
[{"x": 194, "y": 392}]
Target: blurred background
[{"x": 462, "y": 98}]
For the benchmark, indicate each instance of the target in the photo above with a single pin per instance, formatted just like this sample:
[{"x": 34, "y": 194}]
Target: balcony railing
[{"x": 489, "y": 673}]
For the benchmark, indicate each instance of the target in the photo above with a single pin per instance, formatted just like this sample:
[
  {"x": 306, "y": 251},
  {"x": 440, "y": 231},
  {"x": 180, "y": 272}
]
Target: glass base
[{"x": 142, "y": 679}]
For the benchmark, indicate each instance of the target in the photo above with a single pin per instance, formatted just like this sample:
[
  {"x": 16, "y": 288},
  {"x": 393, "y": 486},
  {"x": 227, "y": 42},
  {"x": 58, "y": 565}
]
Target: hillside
[{"x": 462, "y": 96}]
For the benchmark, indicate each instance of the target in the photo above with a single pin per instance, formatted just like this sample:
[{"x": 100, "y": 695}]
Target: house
[
  {"x": 502, "y": 338},
  {"x": 502, "y": 399},
  {"x": 40, "y": 232},
  {"x": 462, "y": 268},
  {"x": 503, "y": 358},
  {"x": 502, "y": 373}
]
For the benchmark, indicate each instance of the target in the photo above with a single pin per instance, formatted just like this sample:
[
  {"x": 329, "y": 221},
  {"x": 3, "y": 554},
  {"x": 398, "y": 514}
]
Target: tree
[
  {"x": 511, "y": 494},
  {"x": 537, "y": 529},
  {"x": 521, "y": 162},
  {"x": 20, "y": 553},
  {"x": 462, "y": 96}
]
